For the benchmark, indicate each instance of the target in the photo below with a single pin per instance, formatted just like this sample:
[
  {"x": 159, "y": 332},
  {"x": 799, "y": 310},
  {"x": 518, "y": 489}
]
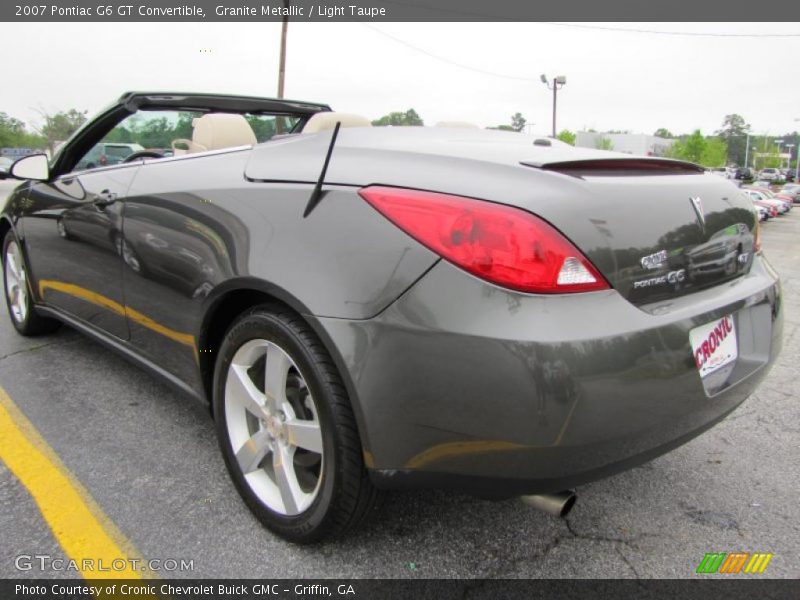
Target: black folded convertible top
[{"x": 134, "y": 101}]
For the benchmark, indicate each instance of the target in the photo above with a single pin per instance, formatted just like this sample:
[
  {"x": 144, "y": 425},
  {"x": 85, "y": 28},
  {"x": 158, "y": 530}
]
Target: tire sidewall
[
  {"x": 310, "y": 525},
  {"x": 20, "y": 326}
]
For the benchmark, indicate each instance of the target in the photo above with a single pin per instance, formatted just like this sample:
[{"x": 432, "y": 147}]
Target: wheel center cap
[{"x": 274, "y": 426}]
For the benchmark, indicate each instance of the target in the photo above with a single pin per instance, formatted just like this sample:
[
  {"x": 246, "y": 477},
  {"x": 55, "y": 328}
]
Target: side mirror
[{"x": 34, "y": 166}]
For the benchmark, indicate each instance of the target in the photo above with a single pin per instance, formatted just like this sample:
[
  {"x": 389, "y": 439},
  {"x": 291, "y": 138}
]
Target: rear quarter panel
[{"x": 199, "y": 230}]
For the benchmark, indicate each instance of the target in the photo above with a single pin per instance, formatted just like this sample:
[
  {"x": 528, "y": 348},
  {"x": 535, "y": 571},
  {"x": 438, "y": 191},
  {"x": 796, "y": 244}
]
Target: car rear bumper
[{"x": 463, "y": 384}]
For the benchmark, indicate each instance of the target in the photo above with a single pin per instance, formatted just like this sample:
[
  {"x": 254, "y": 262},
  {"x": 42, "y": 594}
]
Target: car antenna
[{"x": 317, "y": 194}]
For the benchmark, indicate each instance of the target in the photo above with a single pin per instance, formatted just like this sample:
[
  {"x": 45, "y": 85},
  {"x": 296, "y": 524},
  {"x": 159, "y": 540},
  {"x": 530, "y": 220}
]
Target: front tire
[
  {"x": 287, "y": 430},
  {"x": 17, "y": 291}
]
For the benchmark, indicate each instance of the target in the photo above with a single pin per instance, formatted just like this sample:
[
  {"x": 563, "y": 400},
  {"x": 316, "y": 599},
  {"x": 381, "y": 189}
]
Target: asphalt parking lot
[{"x": 148, "y": 457}]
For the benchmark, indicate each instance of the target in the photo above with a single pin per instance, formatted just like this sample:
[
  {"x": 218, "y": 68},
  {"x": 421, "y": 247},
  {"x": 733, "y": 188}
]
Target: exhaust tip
[{"x": 558, "y": 504}]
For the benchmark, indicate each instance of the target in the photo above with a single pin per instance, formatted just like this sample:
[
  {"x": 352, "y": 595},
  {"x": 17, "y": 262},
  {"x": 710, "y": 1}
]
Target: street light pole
[
  {"x": 747, "y": 153},
  {"x": 558, "y": 83}
]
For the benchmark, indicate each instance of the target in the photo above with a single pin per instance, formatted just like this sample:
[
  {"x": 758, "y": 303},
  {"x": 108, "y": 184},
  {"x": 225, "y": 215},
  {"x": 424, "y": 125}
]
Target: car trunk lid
[{"x": 665, "y": 228}]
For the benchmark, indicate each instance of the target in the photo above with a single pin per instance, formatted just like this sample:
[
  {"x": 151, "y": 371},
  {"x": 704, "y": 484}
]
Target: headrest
[
  {"x": 216, "y": 131},
  {"x": 327, "y": 120}
]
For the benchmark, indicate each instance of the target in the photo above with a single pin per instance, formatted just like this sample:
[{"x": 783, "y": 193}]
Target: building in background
[{"x": 638, "y": 144}]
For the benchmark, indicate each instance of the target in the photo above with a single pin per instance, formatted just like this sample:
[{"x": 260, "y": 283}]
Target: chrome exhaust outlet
[{"x": 558, "y": 504}]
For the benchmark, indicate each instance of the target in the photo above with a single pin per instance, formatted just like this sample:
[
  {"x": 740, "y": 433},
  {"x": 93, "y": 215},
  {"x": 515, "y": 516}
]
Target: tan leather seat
[
  {"x": 216, "y": 131},
  {"x": 323, "y": 121}
]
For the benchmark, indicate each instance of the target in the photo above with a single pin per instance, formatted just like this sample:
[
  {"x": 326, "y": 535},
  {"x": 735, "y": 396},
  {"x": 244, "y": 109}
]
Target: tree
[
  {"x": 690, "y": 148},
  {"x": 59, "y": 126},
  {"x": 14, "y": 134},
  {"x": 410, "y": 118},
  {"x": 603, "y": 143},
  {"x": 663, "y": 133},
  {"x": 734, "y": 133},
  {"x": 11, "y": 130},
  {"x": 715, "y": 153},
  {"x": 518, "y": 122},
  {"x": 567, "y": 136}
]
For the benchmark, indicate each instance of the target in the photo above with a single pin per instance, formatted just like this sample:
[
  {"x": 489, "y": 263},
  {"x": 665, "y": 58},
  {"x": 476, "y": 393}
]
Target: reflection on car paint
[{"x": 82, "y": 293}]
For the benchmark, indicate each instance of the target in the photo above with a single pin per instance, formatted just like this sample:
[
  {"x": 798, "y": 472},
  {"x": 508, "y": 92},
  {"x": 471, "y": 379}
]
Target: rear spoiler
[{"x": 616, "y": 166}]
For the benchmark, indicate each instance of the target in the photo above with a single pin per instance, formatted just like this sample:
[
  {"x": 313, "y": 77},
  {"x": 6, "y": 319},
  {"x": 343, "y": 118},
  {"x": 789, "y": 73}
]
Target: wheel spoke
[
  {"x": 305, "y": 434},
  {"x": 11, "y": 276},
  {"x": 242, "y": 390},
  {"x": 278, "y": 364},
  {"x": 13, "y": 265},
  {"x": 286, "y": 480},
  {"x": 253, "y": 451}
]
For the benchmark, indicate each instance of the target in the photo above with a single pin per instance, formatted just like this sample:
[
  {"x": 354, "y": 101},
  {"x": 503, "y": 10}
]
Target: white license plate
[{"x": 714, "y": 345}]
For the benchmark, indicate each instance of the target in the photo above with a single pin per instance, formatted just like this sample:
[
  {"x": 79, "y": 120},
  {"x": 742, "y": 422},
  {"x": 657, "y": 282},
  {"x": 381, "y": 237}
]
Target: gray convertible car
[{"x": 367, "y": 308}]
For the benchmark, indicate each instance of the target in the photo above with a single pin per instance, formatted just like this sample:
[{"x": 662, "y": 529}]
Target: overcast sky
[{"x": 615, "y": 80}]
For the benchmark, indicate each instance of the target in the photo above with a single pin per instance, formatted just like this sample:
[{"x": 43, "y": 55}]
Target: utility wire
[
  {"x": 446, "y": 60},
  {"x": 601, "y": 28}
]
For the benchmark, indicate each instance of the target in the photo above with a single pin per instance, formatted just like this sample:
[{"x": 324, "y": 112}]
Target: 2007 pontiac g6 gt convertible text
[{"x": 367, "y": 308}]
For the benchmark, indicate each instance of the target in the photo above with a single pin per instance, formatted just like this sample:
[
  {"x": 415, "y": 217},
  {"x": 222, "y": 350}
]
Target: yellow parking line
[{"x": 85, "y": 533}]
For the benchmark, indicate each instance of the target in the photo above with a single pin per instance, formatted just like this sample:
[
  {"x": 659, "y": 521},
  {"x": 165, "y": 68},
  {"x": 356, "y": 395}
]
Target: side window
[
  {"x": 266, "y": 126},
  {"x": 167, "y": 133},
  {"x": 146, "y": 131}
]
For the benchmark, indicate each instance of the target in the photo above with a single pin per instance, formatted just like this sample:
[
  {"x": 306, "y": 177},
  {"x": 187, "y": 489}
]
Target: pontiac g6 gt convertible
[{"x": 367, "y": 308}]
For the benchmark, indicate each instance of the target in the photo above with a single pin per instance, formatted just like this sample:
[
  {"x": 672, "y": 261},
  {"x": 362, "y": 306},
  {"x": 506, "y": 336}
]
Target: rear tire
[
  {"x": 18, "y": 292},
  {"x": 286, "y": 428}
]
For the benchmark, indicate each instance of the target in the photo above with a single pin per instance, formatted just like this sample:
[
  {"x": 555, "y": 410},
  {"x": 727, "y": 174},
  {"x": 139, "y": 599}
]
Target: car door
[{"x": 73, "y": 232}]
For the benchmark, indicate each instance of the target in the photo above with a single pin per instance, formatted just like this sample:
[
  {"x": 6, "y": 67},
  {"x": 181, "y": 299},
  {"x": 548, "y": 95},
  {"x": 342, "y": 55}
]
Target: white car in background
[
  {"x": 5, "y": 164},
  {"x": 770, "y": 174}
]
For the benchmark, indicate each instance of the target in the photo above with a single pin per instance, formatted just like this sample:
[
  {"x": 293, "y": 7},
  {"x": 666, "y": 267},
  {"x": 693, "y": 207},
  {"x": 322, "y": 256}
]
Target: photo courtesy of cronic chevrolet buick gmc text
[{"x": 369, "y": 308}]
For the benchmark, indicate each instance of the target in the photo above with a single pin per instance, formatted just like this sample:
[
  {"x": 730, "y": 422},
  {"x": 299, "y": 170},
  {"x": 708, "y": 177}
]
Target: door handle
[{"x": 105, "y": 198}]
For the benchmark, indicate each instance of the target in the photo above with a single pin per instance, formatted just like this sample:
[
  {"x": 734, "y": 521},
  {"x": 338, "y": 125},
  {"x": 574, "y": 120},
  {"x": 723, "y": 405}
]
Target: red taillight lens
[{"x": 504, "y": 245}]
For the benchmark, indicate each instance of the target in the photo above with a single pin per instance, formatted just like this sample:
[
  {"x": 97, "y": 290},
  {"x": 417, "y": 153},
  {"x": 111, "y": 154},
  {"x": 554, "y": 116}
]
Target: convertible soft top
[{"x": 216, "y": 103}]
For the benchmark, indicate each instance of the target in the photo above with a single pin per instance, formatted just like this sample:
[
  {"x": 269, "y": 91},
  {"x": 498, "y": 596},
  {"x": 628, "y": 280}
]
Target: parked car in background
[
  {"x": 743, "y": 173},
  {"x": 792, "y": 191},
  {"x": 5, "y": 164},
  {"x": 423, "y": 313},
  {"x": 770, "y": 174},
  {"x": 762, "y": 196},
  {"x": 721, "y": 171},
  {"x": 770, "y": 208},
  {"x": 763, "y": 211},
  {"x": 106, "y": 154},
  {"x": 789, "y": 200},
  {"x": 788, "y": 174}
]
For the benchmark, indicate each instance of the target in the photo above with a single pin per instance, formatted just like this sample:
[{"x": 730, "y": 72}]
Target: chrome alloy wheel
[
  {"x": 273, "y": 427},
  {"x": 16, "y": 283}
]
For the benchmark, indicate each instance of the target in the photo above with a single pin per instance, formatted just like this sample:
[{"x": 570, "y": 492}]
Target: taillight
[{"x": 503, "y": 245}]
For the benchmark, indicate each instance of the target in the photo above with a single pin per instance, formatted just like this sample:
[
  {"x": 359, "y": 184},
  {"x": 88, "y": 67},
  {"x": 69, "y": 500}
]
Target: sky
[{"x": 477, "y": 72}]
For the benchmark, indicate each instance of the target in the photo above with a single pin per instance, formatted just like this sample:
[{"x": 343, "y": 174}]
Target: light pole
[
  {"x": 747, "y": 152},
  {"x": 558, "y": 83}
]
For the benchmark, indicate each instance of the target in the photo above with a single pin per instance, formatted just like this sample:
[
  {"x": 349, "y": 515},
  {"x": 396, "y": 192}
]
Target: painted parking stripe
[{"x": 85, "y": 533}]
